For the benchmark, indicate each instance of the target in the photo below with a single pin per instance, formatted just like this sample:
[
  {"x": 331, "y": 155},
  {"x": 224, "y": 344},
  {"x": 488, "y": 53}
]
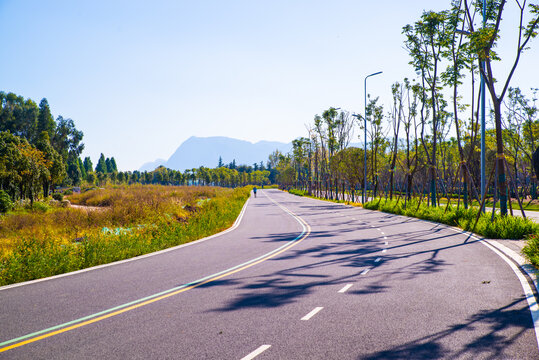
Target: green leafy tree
[
  {"x": 67, "y": 139},
  {"x": 483, "y": 41},
  {"x": 56, "y": 171},
  {"x": 425, "y": 41}
]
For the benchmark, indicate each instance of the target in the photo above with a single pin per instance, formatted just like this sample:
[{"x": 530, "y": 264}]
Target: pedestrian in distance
[{"x": 254, "y": 190}]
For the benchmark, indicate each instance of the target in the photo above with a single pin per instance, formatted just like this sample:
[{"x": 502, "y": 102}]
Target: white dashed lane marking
[
  {"x": 345, "y": 288},
  {"x": 257, "y": 352},
  {"x": 364, "y": 272},
  {"x": 377, "y": 260},
  {"x": 312, "y": 313}
]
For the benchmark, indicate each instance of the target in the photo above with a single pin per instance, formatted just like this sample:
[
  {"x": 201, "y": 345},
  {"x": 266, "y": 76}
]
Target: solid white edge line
[
  {"x": 312, "y": 313},
  {"x": 345, "y": 288},
  {"x": 528, "y": 291},
  {"x": 509, "y": 256},
  {"x": 505, "y": 254},
  {"x": 233, "y": 227},
  {"x": 257, "y": 352}
]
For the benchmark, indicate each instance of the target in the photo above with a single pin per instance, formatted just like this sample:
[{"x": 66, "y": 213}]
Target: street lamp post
[
  {"x": 483, "y": 149},
  {"x": 483, "y": 180},
  {"x": 364, "y": 194}
]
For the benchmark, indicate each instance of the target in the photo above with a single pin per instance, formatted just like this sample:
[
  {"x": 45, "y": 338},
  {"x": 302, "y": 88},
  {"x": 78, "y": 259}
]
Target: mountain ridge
[{"x": 205, "y": 151}]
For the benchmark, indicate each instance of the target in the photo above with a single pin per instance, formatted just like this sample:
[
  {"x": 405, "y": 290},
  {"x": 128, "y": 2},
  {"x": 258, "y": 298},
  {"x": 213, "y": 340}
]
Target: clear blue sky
[{"x": 140, "y": 77}]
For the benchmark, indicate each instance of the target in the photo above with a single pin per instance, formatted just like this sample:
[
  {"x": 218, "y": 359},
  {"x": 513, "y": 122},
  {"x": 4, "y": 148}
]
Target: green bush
[
  {"x": 297, "y": 192},
  {"x": 39, "y": 206},
  {"x": 531, "y": 250},
  {"x": 501, "y": 227},
  {"x": 58, "y": 196},
  {"x": 5, "y": 202}
]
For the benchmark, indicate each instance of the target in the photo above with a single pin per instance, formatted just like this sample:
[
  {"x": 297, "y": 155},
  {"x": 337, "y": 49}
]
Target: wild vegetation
[{"x": 119, "y": 223}]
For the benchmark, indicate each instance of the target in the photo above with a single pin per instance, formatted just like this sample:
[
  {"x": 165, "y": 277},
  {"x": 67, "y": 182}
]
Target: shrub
[
  {"x": 58, "y": 196},
  {"x": 508, "y": 227},
  {"x": 5, "y": 202},
  {"x": 39, "y": 206},
  {"x": 297, "y": 192},
  {"x": 531, "y": 250}
]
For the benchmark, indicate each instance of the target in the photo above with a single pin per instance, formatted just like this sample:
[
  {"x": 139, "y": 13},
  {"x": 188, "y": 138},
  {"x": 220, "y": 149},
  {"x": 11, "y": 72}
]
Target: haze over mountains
[{"x": 205, "y": 151}]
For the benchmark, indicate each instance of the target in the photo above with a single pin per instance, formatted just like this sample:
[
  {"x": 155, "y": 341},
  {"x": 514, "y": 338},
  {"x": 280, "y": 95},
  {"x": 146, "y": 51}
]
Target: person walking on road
[{"x": 254, "y": 190}]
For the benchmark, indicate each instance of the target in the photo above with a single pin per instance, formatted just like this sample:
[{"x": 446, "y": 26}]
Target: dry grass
[
  {"x": 123, "y": 207},
  {"x": 141, "y": 219}
]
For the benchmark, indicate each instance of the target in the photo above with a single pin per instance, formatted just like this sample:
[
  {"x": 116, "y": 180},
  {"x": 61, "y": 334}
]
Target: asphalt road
[{"x": 334, "y": 283}]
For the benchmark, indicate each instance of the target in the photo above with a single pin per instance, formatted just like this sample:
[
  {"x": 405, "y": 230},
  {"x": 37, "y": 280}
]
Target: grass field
[{"x": 111, "y": 224}]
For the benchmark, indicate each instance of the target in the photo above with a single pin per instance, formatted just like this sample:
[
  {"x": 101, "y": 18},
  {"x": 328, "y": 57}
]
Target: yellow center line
[{"x": 121, "y": 311}]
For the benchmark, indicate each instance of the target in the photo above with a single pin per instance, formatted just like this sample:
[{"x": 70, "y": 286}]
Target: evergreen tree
[
  {"x": 113, "y": 166},
  {"x": 220, "y": 162},
  {"x": 108, "y": 165},
  {"x": 73, "y": 172},
  {"x": 45, "y": 121},
  {"x": 88, "y": 166},
  {"x": 101, "y": 166}
]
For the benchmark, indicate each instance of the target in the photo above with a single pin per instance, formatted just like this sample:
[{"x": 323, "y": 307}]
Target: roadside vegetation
[
  {"x": 426, "y": 143},
  {"x": 112, "y": 224},
  {"x": 490, "y": 226}
]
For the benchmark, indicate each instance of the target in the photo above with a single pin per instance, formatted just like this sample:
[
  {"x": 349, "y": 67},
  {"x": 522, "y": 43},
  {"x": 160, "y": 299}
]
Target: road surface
[{"x": 297, "y": 278}]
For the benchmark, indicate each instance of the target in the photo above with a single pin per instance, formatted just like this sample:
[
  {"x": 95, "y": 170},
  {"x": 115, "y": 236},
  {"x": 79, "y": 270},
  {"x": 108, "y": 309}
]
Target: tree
[
  {"x": 73, "y": 171},
  {"x": 113, "y": 165},
  {"x": 483, "y": 41},
  {"x": 88, "y": 166},
  {"x": 108, "y": 165},
  {"x": 56, "y": 171},
  {"x": 425, "y": 42},
  {"x": 45, "y": 121},
  {"x": 101, "y": 166},
  {"x": 67, "y": 139}
]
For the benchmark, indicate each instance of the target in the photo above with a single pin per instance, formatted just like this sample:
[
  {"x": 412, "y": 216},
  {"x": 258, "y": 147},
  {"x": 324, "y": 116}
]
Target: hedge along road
[{"x": 329, "y": 282}]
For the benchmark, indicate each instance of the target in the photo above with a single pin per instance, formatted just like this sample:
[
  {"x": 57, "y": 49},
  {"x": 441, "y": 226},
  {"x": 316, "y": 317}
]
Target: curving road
[{"x": 330, "y": 282}]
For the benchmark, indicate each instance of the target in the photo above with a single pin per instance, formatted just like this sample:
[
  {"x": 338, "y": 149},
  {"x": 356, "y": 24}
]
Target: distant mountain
[
  {"x": 150, "y": 166},
  {"x": 205, "y": 151}
]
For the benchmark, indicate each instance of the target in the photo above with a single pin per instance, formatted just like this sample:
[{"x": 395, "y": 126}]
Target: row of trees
[
  {"x": 202, "y": 176},
  {"x": 429, "y": 139}
]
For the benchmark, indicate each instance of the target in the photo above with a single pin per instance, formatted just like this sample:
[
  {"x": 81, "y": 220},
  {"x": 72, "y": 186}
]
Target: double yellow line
[{"x": 90, "y": 319}]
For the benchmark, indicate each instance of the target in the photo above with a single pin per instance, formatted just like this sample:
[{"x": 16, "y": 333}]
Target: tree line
[
  {"x": 427, "y": 140},
  {"x": 39, "y": 153}
]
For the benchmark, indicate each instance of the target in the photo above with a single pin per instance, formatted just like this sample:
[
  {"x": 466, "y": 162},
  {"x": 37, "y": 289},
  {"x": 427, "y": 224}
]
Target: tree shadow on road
[{"x": 501, "y": 328}]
